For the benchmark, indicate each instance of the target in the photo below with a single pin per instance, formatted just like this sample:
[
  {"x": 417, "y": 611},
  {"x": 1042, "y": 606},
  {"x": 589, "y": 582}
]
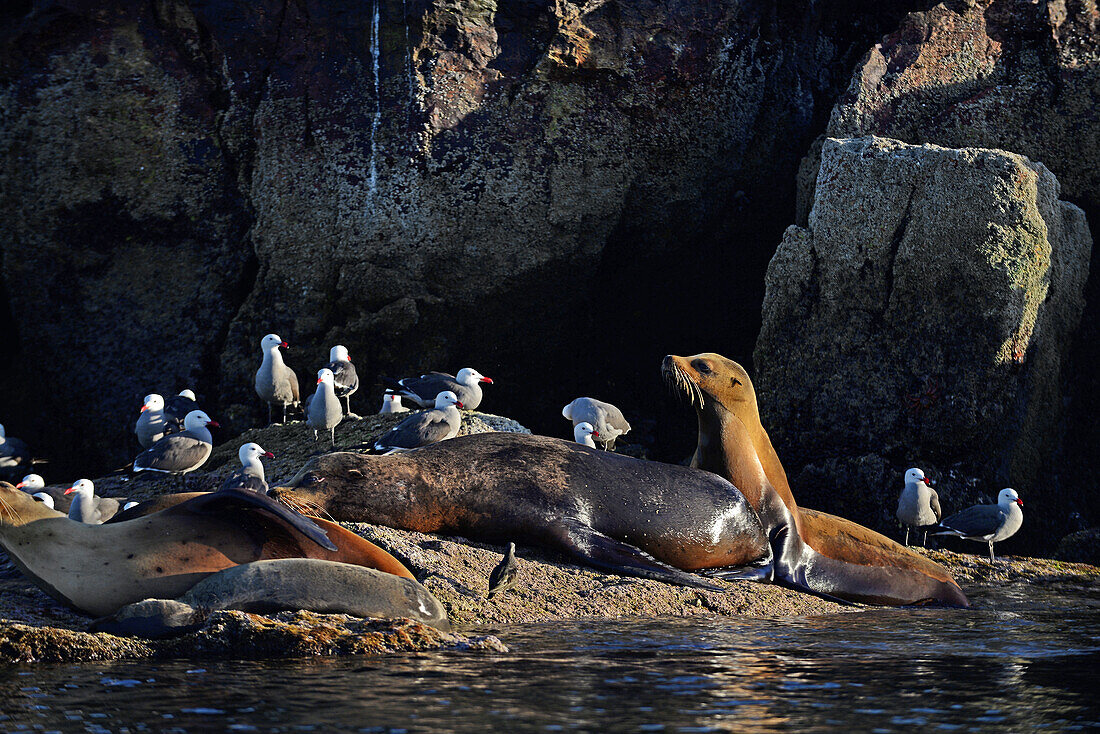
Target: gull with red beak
[
  {"x": 324, "y": 412},
  {"x": 35, "y": 485},
  {"x": 987, "y": 523},
  {"x": 918, "y": 504},
  {"x": 466, "y": 385},
  {"x": 425, "y": 428},
  {"x": 251, "y": 474},
  {"x": 89, "y": 509},
  {"x": 608, "y": 420},
  {"x": 343, "y": 374},
  {"x": 276, "y": 384},
  {"x": 392, "y": 404},
  {"x": 183, "y": 452},
  {"x": 151, "y": 421},
  {"x": 583, "y": 433}
]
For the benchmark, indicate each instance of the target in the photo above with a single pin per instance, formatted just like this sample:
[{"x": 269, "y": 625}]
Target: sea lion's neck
[{"x": 729, "y": 448}]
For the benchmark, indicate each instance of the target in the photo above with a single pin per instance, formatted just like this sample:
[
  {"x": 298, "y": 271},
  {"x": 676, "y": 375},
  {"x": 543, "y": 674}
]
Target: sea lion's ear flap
[
  {"x": 734, "y": 382},
  {"x": 213, "y": 502}
]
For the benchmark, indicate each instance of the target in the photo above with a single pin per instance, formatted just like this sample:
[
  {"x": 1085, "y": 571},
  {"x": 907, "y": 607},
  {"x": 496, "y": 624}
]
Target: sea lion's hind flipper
[
  {"x": 597, "y": 549},
  {"x": 301, "y": 523}
]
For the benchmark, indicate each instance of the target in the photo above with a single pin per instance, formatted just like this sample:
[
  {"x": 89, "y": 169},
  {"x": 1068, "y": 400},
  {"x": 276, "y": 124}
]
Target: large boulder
[
  {"x": 434, "y": 184},
  {"x": 924, "y": 314}
]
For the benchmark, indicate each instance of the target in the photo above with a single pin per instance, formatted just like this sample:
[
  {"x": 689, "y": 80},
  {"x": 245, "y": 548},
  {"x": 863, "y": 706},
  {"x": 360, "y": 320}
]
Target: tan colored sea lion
[
  {"x": 99, "y": 568},
  {"x": 850, "y": 561}
]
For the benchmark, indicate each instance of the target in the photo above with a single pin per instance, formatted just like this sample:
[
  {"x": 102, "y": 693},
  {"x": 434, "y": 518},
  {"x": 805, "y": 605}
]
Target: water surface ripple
[{"x": 1024, "y": 658}]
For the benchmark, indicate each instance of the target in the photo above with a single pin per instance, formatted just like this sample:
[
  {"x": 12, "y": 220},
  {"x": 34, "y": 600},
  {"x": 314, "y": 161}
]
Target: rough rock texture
[
  {"x": 179, "y": 178},
  {"x": 924, "y": 315},
  {"x": 1080, "y": 547},
  {"x": 1017, "y": 75}
]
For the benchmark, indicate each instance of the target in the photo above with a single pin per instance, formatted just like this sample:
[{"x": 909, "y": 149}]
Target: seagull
[
  {"x": 276, "y": 384},
  {"x": 604, "y": 417},
  {"x": 505, "y": 575},
  {"x": 988, "y": 523},
  {"x": 87, "y": 508},
  {"x": 176, "y": 409},
  {"x": 180, "y": 453},
  {"x": 424, "y": 428},
  {"x": 392, "y": 404},
  {"x": 44, "y": 499},
  {"x": 343, "y": 373},
  {"x": 32, "y": 483},
  {"x": 251, "y": 473},
  {"x": 422, "y": 390},
  {"x": 918, "y": 504},
  {"x": 324, "y": 411},
  {"x": 35, "y": 485},
  {"x": 151, "y": 423},
  {"x": 583, "y": 433},
  {"x": 15, "y": 457}
]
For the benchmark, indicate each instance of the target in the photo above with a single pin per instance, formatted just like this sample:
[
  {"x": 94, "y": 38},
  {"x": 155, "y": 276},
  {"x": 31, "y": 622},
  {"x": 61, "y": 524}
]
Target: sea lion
[
  {"x": 833, "y": 555},
  {"x": 99, "y": 568},
  {"x": 290, "y": 584},
  {"x": 613, "y": 512}
]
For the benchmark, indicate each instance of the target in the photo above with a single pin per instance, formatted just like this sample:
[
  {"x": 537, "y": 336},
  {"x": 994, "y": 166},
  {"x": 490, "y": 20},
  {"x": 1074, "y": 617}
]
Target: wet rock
[{"x": 924, "y": 312}]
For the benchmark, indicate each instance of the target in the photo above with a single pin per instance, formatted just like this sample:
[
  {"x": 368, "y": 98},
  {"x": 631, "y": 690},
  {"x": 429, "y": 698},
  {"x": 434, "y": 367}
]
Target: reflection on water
[{"x": 1025, "y": 659}]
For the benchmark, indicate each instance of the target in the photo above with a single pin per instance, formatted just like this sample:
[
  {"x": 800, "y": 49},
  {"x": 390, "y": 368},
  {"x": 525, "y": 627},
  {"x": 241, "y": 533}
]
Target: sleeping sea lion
[
  {"x": 833, "y": 555},
  {"x": 613, "y": 512},
  {"x": 99, "y": 568}
]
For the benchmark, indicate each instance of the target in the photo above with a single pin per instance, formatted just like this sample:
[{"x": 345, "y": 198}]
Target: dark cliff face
[{"x": 557, "y": 194}]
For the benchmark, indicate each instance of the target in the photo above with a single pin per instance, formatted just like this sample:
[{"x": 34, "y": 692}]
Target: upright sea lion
[
  {"x": 838, "y": 556},
  {"x": 99, "y": 568},
  {"x": 614, "y": 512}
]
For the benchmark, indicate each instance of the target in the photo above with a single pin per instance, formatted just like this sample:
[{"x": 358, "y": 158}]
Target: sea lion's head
[
  {"x": 18, "y": 508},
  {"x": 327, "y": 477},
  {"x": 710, "y": 377}
]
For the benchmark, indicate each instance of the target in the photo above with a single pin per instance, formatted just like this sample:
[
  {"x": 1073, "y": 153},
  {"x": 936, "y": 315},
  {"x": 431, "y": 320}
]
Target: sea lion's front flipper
[
  {"x": 209, "y": 503},
  {"x": 597, "y": 549}
]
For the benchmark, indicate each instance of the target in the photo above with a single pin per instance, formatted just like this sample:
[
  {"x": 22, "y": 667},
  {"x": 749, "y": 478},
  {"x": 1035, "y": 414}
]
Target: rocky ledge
[{"x": 33, "y": 627}]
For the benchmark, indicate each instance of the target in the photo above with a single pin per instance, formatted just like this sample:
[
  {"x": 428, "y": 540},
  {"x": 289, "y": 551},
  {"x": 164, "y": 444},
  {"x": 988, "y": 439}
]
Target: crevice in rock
[{"x": 895, "y": 245}]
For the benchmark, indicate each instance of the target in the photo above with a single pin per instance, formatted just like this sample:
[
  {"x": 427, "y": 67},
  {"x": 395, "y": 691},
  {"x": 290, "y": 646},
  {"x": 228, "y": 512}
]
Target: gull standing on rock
[
  {"x": 987, "y": 523},
  {"x": 424, "y": 389},
  {"x": 918, "y": 504},
  {"x": 343, "y": 374},
  {"x": 276, "y": 384},
  {"x": 151, "y": 423},
  {"x": 505, "y": 575},
  {"x": 251, "y": 474},
  {"x": 608, "y": 420},
  {"x": 15, "y": 457},
  {"x": 324, "y": 411},
  {"x": 428, "y": 427},
  {"x": 183, "y": 452},
  {"x": 89, "y": 509},
  {"x": 583, "y": 433},
  {"x": 392, "y": 404}
]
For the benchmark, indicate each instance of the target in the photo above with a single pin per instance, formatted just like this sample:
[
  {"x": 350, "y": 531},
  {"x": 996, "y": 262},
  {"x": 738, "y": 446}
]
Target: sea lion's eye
[
  {"x": 701, "y": 367},
  {"x": 311, "y": 479},
  {"x": 734, "y": 381}
]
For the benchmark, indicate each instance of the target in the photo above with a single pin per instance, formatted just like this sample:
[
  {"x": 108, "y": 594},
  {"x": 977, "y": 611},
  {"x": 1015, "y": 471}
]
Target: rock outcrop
[
  {"x": 418, "y": 180},
  {"x": 922, "y": 317}
]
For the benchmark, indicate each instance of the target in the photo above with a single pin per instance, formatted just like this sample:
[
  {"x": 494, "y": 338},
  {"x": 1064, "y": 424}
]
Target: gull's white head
[
  {"x": 1008, "y": 496},
  {"x": 325, "y": 375},
  {"x": 83, "y": 487},
  {"x": 31, "y": 483},
  {"x": 152, "y": 402},
  {"x": 196, "y": 419},
  {"x": 446, "y": 399},
  {"x": 272, "y": 342},
  {"x": 250, "y": 452},
  {"x": 583, "y": 430},
  {"x": 339, "y": 353},
  {"x": 915, "y": 476},
  {"x": 44, "y": 499},
  {"x": 470, "y": 376},
  {"x": 189, "y": 394}
]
